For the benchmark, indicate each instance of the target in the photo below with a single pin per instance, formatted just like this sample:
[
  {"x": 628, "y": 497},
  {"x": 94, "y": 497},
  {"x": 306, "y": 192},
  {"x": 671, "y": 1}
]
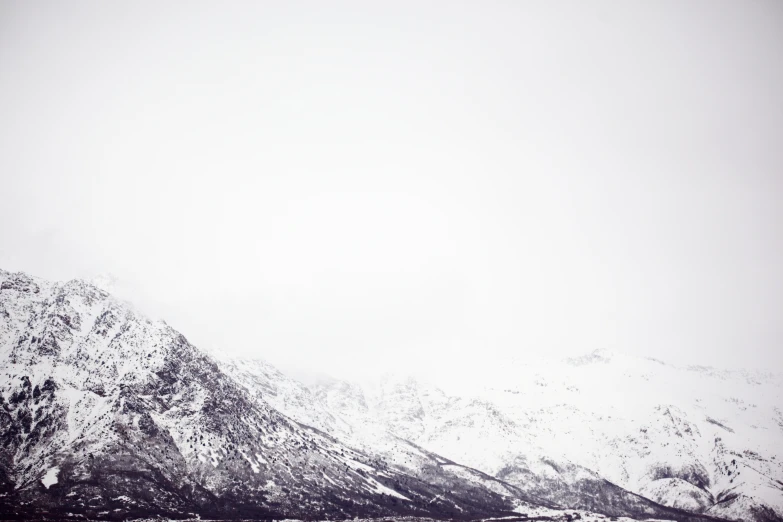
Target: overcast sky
[{"x": 355, "y": 187}]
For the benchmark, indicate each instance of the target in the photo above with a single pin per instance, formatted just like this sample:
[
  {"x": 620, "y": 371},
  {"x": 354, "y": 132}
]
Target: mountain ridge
[
  {"x": 669, "y": 422},
  {"x": 107, "y": 414}
]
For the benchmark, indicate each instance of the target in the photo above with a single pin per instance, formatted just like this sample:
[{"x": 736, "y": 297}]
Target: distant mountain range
[{"x": 105, "y": 414}]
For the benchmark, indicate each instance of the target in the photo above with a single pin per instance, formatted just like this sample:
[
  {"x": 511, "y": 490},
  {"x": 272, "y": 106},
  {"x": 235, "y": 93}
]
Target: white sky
[{"x": 355, "y": 187}]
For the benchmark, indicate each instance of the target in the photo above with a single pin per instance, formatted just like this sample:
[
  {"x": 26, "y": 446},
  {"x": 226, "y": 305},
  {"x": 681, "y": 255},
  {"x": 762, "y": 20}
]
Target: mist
[{"x": 353, "y": 188}]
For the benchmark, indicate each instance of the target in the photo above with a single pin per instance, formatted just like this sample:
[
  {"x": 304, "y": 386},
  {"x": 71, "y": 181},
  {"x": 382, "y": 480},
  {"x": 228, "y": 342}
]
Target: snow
[
  {"x": 380, "y": 488},
  {"x": 630, "y": 416},
  {"x": 50, "y": 478},
  {"x": 329, "y": 479},
  {"x": 621, "y": 418},
  {"x": 250, "y": 461}
]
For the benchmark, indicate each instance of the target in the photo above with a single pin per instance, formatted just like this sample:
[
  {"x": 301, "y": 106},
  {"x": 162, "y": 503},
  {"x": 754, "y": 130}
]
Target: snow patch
[
  {"x": 380, "y": 488},
  {"x": 50, "y": 477}
]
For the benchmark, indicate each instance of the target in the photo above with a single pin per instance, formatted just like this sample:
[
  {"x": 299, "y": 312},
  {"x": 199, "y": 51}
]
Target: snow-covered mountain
[
  {"x": 704, "y": 440},
  {"x": 385, "y": 417},
  {"x": 106, "y": 414}
]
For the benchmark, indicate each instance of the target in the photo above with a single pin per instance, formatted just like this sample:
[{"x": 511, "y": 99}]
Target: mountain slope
[
  {"x": 378, "y": 419},
  {"x": 106, "y": 414},
  {"x": 694, "y": 438}
]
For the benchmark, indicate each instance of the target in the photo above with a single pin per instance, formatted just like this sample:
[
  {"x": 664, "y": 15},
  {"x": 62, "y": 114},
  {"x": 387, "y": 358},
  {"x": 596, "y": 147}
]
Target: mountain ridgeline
[{"x": 105, "y": 414}]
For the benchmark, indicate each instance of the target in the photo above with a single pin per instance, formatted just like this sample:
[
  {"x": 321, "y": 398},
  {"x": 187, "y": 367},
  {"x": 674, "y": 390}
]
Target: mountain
[
  {"x": 385, "y": 417},
  {"x": 106, "y": 414},
  {"x": 598, "y": 432}
]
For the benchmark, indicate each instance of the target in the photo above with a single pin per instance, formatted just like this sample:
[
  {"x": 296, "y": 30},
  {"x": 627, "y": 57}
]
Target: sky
[{"x": 359, "y": 187}]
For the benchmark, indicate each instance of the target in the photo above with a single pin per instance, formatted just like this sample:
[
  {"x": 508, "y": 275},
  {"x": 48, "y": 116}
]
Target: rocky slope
[
  {"x": 571, "y": 432},
  {"x": 106, "y": 414},
  {"x": 383, "y": 419}
]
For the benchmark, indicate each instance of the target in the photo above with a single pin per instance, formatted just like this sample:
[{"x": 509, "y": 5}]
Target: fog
[{"x": 352, "y": 188}]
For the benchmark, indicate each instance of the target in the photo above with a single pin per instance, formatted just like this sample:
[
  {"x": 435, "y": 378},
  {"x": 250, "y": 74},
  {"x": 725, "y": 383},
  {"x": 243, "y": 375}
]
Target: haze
[{"x": 352, "y": 188}]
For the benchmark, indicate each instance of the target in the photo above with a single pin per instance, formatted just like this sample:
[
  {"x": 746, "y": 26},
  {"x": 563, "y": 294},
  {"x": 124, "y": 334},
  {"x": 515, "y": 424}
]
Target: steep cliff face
[{"x": 107, "y": 414}]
